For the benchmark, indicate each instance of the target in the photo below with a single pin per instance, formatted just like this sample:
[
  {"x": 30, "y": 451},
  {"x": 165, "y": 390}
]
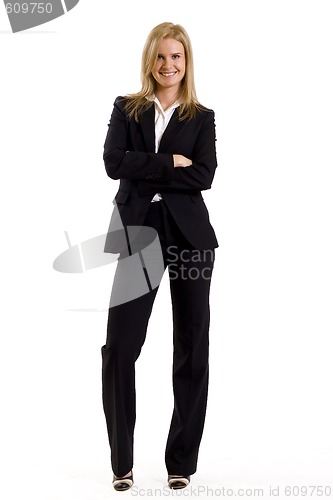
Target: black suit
[
  {"x": 181, "y": 221},
  {"x": 129, "y": 156}
]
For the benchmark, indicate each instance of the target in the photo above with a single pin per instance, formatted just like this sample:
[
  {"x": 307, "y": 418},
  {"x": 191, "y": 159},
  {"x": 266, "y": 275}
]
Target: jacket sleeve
[
  {"x": 133, "y": 165},
  {"x": 199, "y": 175}
]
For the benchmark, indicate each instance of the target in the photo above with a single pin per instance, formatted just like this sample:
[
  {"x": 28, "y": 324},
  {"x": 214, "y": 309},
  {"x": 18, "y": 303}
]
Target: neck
[{"x": 167, "y": 96}]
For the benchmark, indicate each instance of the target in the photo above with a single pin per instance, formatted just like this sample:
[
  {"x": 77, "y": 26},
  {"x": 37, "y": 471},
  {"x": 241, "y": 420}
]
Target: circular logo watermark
[{"x": 25, "y": 15}]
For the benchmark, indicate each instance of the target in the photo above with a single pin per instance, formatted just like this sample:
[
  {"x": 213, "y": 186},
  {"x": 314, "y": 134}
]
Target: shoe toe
[
  {"x": 122, "y": 484},
  {"x": 176, "y": 483}
]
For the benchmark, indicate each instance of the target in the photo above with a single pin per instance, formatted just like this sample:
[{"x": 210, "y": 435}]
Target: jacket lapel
[
  {"x": 170, "y": 132},
  {"x": 147, "y": 122}
]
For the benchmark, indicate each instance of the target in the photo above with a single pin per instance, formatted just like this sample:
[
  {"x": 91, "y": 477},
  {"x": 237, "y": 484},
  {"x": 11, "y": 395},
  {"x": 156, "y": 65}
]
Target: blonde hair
[{"x": 138, "y": 102}]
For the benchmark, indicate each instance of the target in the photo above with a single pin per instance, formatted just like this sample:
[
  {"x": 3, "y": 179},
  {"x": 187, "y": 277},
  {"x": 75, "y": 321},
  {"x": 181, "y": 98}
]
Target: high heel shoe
[
  {"x": 122, "y": 483},
  {"x": 178, "y": 482}
]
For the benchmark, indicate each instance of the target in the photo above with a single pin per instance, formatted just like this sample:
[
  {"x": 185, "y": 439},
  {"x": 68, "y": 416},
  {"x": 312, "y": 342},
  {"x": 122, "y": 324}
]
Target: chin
[{"x": 168, "y": 85}]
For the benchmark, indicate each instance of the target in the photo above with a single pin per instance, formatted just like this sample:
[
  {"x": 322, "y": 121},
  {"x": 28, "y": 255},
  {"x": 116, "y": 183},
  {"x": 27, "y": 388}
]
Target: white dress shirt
[{"x": 162, "y": 118}]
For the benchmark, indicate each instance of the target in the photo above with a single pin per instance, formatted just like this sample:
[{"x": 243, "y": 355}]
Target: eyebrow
[{"x": 173, "y": 54}]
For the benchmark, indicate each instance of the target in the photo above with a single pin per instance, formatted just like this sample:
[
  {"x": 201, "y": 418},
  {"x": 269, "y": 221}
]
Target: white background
[{"x": 265, "y": 67}]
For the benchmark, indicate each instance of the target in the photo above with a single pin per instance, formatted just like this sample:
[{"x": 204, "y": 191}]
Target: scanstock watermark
[
  {"x": 141, "y": 262},
  {"x": 136, "y": 249},
  {"x": 25, "y": 15},
  {"x": 277, "y": 491}
]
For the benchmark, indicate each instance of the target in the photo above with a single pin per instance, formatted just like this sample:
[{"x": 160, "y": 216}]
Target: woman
[{"x": 161, "y": 146}]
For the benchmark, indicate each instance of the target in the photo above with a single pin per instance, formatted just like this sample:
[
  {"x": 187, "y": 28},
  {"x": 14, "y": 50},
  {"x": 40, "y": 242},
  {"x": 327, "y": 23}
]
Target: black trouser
[{"x": 189, "y": 276}]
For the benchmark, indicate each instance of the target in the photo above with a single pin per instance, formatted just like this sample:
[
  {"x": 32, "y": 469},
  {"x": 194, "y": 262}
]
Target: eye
[
  {"x": 176, "y": 56},
  {"x": 159, "y": 57}
]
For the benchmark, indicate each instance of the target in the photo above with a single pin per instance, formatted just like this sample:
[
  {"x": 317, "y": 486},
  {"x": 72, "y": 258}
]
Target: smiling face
[{"x": 170, "y": 66}]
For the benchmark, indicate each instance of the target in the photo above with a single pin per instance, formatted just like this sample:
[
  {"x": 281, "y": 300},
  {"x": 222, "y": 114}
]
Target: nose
[{"x": 167, "y": 63}]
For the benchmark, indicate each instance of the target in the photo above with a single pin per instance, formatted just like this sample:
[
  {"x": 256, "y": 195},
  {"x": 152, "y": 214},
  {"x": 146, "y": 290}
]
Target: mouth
[{"x": 168, "y": 74}]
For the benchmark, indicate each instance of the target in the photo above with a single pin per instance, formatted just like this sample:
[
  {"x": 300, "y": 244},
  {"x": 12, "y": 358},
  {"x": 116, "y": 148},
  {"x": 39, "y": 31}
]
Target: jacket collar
[{"x": 147, "y": 122}]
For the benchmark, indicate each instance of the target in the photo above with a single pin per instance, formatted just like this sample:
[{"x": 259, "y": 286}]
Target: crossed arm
[{"x": 163, "y": 171}]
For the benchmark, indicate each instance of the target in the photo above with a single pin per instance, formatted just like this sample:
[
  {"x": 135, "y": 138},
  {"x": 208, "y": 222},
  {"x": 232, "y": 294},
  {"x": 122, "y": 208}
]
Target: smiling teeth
[{"x": 168, "y": 74}]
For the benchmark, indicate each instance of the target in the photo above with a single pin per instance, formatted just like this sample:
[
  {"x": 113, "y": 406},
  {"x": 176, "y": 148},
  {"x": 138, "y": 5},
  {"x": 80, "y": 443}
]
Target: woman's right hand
[{"x": 181, "y": 161}]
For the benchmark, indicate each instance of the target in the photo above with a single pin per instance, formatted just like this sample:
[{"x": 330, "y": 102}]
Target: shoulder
[
  {"x": 120, "y": 101},
  {"x": 200, "y": 113},
  {"x": 130, "y": 104},
  {"x": 119, "y": 107},
  {"x": 204, "y": 109},
  {"x": 204, "y": 115},
  {"x": 205, "y": 112}
]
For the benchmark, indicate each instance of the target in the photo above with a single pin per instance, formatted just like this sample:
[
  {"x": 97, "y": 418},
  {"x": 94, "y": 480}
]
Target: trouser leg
[
  {"x": 126, "y": 332},
  {"x": 190, "y": 285}
]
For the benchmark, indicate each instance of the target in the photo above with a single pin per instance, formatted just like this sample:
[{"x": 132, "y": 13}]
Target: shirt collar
[{"x": 173, "y": 106}]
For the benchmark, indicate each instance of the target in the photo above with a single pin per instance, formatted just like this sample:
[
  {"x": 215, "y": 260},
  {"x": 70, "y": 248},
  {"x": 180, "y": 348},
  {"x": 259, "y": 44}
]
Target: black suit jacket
[{"x": 129, "y": 155}]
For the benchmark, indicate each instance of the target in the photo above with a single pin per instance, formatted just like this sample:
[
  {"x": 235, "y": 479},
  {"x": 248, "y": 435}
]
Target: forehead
[{"x": 170, "y": 46}]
